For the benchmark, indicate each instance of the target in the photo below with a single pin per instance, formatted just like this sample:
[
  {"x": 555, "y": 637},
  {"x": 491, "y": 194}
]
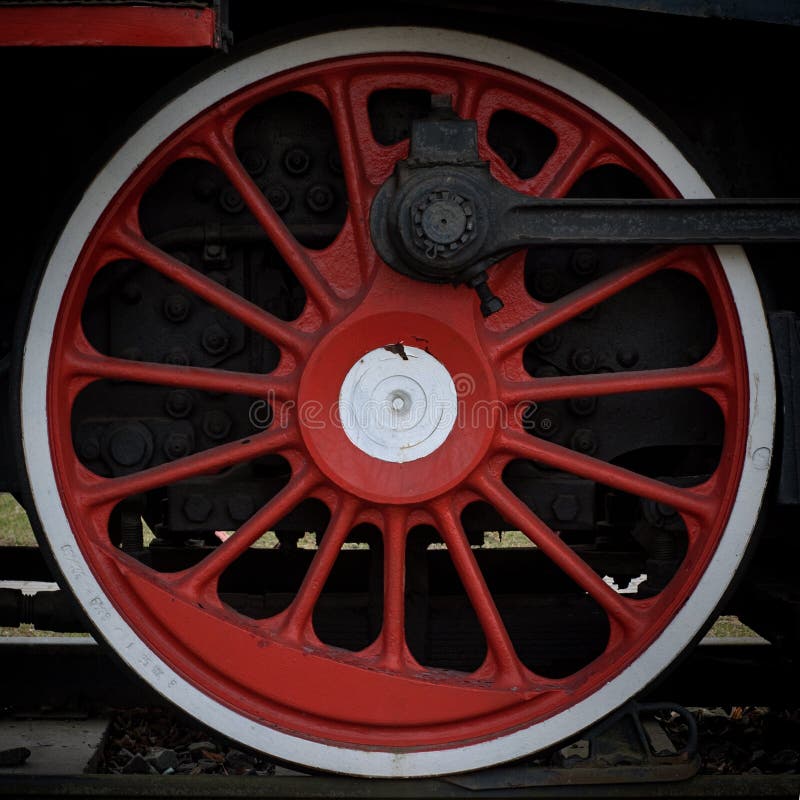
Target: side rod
[{"x": 608, "y": 221}]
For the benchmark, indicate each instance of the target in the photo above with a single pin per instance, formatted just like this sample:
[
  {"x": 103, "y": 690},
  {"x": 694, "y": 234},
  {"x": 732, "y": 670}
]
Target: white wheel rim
[{"x": 376, "y": 762}]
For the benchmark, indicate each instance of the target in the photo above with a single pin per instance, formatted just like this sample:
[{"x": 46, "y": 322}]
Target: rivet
[
  {"x": 319, "y": 198},
  {"x": 297, "y": 161},
  {"x": 279, "y": 198},
  {"x": 253, "y": 161},
  {"x": 583, "y": 360},
  {"x": 215, "y": 340},
  {"x": 584, "y": 262},
  {"x": 176, "y": 307},
  {"x": 583, "y": 441},
  {"x": 627, "y": 357},
  {"x": 230, "y": 200},
  {"x": 178, "y": 403},
  {"x": 216, "y": 424},
  {"x": 176, "y": 445}
]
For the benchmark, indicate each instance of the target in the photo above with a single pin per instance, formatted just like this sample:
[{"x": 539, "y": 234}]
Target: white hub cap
[{"x": 398, "y": 403}]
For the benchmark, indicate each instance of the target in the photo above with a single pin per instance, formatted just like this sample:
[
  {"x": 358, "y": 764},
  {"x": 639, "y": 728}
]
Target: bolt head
[
  {"x": 176, "y": 307},
  {"x": 491, "y": 306},
  {"x": 241, "y": 507},
  {"x": 279, "y": 198},
  {"x": 177, "y": 357},
  {"x": 547, "y": 342},
  {"x": 583, "y": 406},
  {"x": 231, "y": 201},
  {"x": 627, "y": 357},
  {"x": 297, "y": 161},
  {"x": 566, "y": 507},
  {"x": 584, "y": 360},
  {"x": 584, "y": 262},
  {"x": 128, "y": 445},
  {"x": 583, "y": 441},
  {"x": 254, "y": 161},
  {"x": 547, "y": 284},
  {"x": 197, "y": 508},
  {"x": 90, "y": 449},
  {"x": 216, "y": 424},
  {"x": 215, "y": 340},
  {"x": 665, "y": 511},
  {"x": 319, "y": 198},
  {"x": 176, "y": 445},
  {"x": 179, "y": 403},
  {"x": 214, "y": 252},
  {"x": 442, "y": 223}
]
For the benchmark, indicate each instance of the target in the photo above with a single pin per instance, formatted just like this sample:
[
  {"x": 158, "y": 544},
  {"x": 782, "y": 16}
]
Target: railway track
[
  {"x": 153, "y": 788},
  {"x": 79, "y": 709}
]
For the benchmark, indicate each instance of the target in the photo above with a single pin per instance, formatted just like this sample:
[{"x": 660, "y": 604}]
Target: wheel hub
[
  {"x": 398, "y": 403},
  {"x": 401, "y": 422}
]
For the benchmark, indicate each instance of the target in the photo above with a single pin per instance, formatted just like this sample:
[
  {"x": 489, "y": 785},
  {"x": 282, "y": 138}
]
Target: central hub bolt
[
  {"x": 443, "y": 223},
  {"x": 398, "y": 404}
]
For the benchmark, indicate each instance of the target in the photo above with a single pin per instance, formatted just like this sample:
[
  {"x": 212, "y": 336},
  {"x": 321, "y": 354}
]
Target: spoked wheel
[{"x": 335, "y": 513}]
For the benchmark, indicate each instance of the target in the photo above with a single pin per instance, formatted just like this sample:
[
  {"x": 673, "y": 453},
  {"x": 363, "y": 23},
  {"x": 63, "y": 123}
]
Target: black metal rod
[{"x": 590, "y": 222}]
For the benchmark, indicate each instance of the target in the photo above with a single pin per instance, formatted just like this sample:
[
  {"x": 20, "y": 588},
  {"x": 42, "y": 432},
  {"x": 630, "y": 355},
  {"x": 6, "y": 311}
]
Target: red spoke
[
  {"x": 109, "y": 490},
  {"x": 524, "y": 445},
  {"x": 200, "y": 577},
  {"x": 570, "y": 160},
  {"x": 468, "y": 100},
  {"x": 516, "y": 513},
  {"x": 393, "y": 632},
  {"x": 581, "y": 300},
  {"x": 296, "y": 257},
  {"x": 95, "y": 365},
  {"x": 544, "y": 390},
  {"x": 298, "y": 615},
  {"x": 249, "y": 314},
  {"x": 359, "y": 190},
  {"x": 509, "y": 667}
]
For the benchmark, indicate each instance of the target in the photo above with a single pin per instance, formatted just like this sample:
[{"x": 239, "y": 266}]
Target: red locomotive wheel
[{"x": 392, "y": 407}]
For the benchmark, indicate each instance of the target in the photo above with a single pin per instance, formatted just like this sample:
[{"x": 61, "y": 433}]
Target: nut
[
  {"x": 176, "y": 445},
  {"x": 215, "y": 340},
  {"x": 319, "y": 198},
  {"x": 176, "y": 307},
  {"x": 583, "y": 441},
  {"x": 566, "y": 507},
  {"x": 216, "y": 424},
  {"x": 197, "y": 508},
  {"x": 230, "y": 200},
  {"x": 178, "y": 403},
  {"x": 443, "y": 223},
  {"x": 279, "y": 198},
  {"x": 297, "y": 161}
]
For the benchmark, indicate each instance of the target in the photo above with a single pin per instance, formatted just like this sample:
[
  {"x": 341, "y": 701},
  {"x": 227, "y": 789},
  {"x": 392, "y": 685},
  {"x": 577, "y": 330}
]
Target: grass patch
[
  {"x": 15, "y": 530},
  {"x": 28, "y": 631},
  {"x": 729, "y": 627}
]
